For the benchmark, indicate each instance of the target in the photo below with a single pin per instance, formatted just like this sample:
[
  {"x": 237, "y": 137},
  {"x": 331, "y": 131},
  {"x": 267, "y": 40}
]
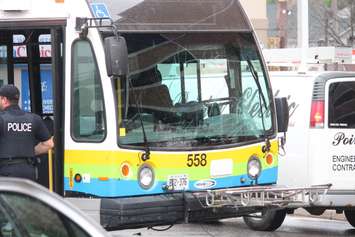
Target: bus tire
[
  {"x": 269, "y": 220},
  {"x": 350, "y": 216}
]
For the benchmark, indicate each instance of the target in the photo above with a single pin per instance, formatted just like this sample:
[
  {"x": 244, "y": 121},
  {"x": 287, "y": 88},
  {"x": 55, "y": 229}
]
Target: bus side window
[{"x": 88, "y": 116}]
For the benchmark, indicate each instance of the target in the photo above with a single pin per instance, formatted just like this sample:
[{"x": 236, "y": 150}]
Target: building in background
[
  {"x": 257, "y": 12},
  {"x": 331, "y": 23}
]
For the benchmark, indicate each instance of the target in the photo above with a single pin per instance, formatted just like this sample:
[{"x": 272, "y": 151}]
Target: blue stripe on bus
[{"x": 120, "y": 188}]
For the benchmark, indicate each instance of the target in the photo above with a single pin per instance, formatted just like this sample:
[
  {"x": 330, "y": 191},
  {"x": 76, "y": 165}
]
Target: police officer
[{"x": 23, "y": 136}]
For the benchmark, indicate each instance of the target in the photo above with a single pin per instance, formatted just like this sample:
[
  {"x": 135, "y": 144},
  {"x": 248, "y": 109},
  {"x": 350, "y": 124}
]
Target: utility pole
[
  {"x": 352, "y": 12},
  {"x": 302, "y": 30},
  {"x": 282, "y": 15}
]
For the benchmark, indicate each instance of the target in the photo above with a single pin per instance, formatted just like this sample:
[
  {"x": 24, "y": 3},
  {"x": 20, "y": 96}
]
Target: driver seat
[{"x": 153, "y": 96}]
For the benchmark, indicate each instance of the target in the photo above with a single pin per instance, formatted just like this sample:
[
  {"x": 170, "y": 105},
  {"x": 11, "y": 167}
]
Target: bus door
[{"x": 29, "y": 61}]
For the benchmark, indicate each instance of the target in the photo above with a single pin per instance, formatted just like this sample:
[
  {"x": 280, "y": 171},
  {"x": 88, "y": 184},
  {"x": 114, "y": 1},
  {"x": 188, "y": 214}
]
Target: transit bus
[{"x": 161, "y": 111}]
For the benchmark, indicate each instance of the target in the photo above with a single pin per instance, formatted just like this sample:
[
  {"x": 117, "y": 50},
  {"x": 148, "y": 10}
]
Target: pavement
[{"x": 294, "y": 226}]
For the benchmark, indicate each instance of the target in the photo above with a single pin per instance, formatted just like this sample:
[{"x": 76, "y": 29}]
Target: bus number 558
[{"x": 196, "y": 160}]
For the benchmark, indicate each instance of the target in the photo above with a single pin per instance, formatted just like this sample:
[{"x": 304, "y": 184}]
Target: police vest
[{"x": 17, "y": 135}]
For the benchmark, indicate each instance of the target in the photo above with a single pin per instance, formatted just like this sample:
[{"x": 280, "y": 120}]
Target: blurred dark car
[{"x": 29, "y": 210}]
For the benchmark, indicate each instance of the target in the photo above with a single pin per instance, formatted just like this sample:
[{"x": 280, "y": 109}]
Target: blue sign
[
  {"x": 47, "y": 91},
  {"x": 100, "y": 10},
  {"x": 47, "y": 94},
  {"x": 25, "y": 91}
]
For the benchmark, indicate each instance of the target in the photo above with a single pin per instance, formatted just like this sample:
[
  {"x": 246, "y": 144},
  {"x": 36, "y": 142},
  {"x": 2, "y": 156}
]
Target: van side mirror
[
  {"x": 282, "y": 114},
  {"x": 116, "y": 56}
]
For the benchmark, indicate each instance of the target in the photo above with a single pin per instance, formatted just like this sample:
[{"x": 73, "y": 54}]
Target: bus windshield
[{"x": 193, "y": 90}]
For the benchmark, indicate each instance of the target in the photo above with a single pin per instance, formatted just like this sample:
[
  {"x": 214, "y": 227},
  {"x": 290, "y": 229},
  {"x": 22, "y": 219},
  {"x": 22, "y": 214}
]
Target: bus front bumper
[{"x": 172, "y": 208}]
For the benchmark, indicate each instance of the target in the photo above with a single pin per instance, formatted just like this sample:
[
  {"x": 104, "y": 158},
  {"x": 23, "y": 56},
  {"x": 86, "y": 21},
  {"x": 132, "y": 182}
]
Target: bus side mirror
[
  {"x": 116, "y": 56},
  {"x": 282, "y": 114}
]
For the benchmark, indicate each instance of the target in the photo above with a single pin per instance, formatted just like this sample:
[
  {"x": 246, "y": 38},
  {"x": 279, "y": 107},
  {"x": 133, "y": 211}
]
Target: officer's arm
[{"x": 43, "y": 147}]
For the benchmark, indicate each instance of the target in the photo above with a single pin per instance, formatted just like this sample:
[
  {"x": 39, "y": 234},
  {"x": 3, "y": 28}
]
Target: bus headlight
[
  {"x": 145, "y": 176},
  {"x": 254, "y": 167}
]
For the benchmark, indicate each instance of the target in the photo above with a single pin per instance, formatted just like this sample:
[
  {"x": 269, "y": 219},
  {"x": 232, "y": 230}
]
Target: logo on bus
[{"x": 205, "y": 184}]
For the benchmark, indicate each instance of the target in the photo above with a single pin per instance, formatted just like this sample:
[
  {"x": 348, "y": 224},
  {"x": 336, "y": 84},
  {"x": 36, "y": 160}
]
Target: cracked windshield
[{"x": 193, "y": 90}]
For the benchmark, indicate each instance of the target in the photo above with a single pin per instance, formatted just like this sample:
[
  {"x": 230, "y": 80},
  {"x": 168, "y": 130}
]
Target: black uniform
[{"x": 19, "y": 133}]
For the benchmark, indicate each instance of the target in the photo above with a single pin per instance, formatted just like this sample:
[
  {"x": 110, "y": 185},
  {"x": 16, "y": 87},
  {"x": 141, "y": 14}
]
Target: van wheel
[
  {"x": 350, "y": 216},
  {"x": 268, "y": 220}
]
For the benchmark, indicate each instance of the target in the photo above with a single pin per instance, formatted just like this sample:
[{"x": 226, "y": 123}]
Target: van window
[
  {"x": 88, "y": 123},
  {"x": 342, "y": 105}
]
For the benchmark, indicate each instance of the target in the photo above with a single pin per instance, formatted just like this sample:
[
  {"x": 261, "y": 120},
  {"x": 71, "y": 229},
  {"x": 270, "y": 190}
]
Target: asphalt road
[{"x": 294, "y": 226}]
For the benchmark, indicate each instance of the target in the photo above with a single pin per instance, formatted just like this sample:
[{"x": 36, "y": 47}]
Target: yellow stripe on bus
[{"x": 164, "y": 159}]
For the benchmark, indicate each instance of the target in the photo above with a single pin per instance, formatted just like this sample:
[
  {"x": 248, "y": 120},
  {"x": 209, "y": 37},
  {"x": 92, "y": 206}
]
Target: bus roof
[
  {"x": 177, "y": 15},
  {"x": 28, "y": 10},
  {"x": 136, "y": 15}
]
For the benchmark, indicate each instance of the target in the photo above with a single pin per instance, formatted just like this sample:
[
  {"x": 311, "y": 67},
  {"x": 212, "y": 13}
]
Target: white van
[{"x": 320, "y": 145}]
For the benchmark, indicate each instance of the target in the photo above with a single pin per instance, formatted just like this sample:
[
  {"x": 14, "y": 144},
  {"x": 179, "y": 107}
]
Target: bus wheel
[
  {"x": 350, "y": 216},
  {"x": 267, "y": 220}
]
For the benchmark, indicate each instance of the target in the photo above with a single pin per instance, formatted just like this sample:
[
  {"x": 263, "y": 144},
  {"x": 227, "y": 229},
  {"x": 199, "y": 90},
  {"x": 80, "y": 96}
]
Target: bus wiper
[
  {"x": 146, "y": 154},
  {"x": 253, "y": 72}
]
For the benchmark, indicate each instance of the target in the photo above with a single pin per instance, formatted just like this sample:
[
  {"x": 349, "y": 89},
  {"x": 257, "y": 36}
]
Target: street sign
[{"x": 100, "y": 10}]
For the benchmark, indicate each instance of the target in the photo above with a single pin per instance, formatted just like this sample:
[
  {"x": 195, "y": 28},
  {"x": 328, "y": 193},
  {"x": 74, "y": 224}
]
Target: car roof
[{"x": 29, "y": 188}]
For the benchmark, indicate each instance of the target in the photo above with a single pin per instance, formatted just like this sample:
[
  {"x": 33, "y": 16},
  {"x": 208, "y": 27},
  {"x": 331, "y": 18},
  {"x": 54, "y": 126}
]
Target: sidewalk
[{"x": 328, "y": 214}]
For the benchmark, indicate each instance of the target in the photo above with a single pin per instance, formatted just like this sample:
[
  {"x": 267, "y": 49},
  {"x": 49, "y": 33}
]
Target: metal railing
[{"x": 265, "y": 196}]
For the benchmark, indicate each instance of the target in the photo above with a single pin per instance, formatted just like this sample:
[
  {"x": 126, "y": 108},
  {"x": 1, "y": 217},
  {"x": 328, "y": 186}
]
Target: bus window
[
  {"x": 209, "y": 92},
  {"x": 251, "y": 96},
  {"x": 191, "y": 81},
  {"x": 213, "y": 81},
  {"x": 171, "y": 78},
  {"x": 88, "y": 123}
]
